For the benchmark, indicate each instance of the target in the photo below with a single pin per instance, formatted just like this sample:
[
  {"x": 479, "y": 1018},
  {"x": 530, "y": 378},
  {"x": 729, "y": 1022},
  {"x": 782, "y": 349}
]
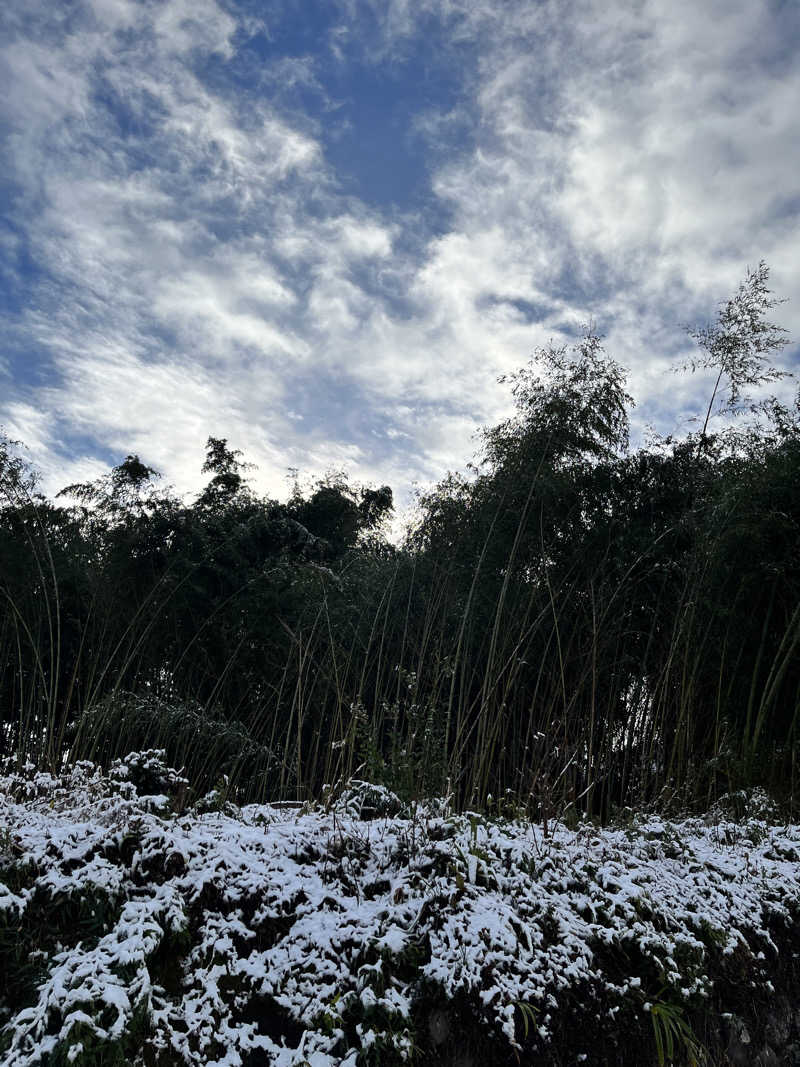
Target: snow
[{"x": 314, "y": 912}]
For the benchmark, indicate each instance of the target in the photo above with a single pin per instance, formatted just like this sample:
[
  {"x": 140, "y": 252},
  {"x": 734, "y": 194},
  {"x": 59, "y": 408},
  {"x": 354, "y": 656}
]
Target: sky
[{"x": 324, "y": 230}]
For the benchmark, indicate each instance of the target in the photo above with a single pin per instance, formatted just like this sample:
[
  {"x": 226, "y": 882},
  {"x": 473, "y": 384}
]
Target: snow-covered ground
[{"x": 360, "y": 933}]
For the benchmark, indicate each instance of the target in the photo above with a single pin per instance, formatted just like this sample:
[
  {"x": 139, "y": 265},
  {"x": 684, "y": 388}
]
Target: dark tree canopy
[{"x": 572, "y": 622}]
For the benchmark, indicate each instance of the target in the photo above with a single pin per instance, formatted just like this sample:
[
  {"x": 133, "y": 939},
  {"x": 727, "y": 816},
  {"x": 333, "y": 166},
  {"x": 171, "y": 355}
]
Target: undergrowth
[{"x": 139, "y": 927}]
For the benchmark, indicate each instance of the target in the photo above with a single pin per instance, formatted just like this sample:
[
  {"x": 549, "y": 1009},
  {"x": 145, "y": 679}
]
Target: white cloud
[
  {"x": 630, "y": 155},
  {"x": 204, "y": 272},
  {"x": 189, "y": 25},
  {"x": 361, "y": 238}
]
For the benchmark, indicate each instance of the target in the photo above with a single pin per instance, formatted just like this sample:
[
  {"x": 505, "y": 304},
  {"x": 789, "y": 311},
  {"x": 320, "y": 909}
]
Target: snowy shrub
[
  {"x": 363, "y": 800},
  {"x": 271, "y": 935},
  {"x": 149, "y": 773}
]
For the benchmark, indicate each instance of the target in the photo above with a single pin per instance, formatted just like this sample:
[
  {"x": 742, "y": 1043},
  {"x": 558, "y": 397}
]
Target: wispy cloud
[{"x": 185, "y": 258}]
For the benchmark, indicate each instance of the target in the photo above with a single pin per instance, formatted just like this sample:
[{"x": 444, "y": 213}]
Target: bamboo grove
[{"x": 575, "y": 625}]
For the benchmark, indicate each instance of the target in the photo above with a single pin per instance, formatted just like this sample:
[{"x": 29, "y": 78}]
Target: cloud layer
[{"x": 325, "y": 240}]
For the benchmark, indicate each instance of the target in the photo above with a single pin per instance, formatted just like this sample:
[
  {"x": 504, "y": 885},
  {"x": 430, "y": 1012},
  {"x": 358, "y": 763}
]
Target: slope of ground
[{"x": 135, "y": 929}]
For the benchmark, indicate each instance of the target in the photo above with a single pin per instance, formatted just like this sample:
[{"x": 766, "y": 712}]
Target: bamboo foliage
[{"x": 577, "y": 627}]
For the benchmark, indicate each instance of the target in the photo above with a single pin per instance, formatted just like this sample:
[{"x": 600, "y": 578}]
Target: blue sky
[{"x": 324, "y": 230}]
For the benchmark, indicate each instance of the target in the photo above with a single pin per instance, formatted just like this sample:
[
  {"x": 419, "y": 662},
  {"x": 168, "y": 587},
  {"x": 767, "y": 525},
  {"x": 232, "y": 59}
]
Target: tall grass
[{"x": 504, "y": 681}]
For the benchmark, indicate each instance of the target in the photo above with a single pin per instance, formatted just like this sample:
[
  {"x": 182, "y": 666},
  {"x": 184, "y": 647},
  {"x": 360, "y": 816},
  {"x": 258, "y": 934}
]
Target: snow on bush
[{"x": 133, "y": 932}]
